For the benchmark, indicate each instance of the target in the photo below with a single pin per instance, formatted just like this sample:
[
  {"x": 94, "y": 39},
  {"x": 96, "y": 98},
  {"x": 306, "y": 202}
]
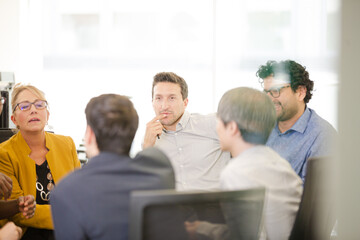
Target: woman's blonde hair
[{"x": 19, "y": 87}]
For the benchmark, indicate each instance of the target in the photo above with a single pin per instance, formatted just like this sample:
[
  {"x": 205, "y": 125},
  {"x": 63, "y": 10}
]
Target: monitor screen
[{"x": 173, "y": 215}]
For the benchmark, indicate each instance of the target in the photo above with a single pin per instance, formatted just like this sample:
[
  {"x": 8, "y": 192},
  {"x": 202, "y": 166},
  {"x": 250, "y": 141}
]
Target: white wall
[
  {"x": 9, "y": 35},
  {"x": 74, "y": 51}
]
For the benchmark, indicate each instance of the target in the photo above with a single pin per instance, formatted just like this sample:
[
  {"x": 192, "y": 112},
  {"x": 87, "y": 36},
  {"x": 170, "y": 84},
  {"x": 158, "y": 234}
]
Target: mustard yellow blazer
[{"x": 16, "y": 163}]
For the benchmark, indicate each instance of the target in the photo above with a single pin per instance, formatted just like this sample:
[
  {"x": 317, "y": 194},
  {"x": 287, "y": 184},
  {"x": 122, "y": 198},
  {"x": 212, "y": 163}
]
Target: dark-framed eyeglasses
[
  {"x": 275, "y": 92},
  {"x": 25, "y": 106},
  {"x": 3, "y": 100}
]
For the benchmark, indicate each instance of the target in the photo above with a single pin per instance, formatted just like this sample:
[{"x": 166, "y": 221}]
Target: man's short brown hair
[
  {"x": 114, "y": 121},
  {"x": 173, "y": 78}
]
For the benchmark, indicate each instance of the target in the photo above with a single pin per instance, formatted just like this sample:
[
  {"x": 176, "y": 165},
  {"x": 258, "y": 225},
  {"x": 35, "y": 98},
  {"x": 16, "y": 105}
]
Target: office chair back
[
  {"x": 163, "y": 214},
  {"x": 6, "y": 133},
  {"x": 316, "y": 217}
]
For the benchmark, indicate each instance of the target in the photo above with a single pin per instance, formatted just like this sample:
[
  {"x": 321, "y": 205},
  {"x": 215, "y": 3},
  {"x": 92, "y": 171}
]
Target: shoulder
[
  {"x": 151, "y": 152},
  {"x": 258, "y": 158},
  {"x": 260, "y": 165},
  {"x": 207, "y": 123},
  {"x": 151, "y": 156},
  {"x": 318, "y": 121},
  {"x": 58, "y": 139},
  {"x": 153, "y": 163},
  {"x": 320, "y": 125},
  {"x": 203, "y": 118}
]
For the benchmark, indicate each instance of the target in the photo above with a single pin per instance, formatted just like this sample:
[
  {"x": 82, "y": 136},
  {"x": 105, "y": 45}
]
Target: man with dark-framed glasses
[{"x": 300, "y": 133}]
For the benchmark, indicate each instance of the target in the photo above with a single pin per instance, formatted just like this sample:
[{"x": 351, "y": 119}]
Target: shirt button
[
  {"x": 175, "y": 134},
  {"x": 180, "y": 149}
]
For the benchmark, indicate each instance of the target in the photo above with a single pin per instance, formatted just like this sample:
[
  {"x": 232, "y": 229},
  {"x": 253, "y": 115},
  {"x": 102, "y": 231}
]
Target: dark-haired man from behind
[
  {"x": 93, "y": 202},
  {"x": 300, "y": 133}
]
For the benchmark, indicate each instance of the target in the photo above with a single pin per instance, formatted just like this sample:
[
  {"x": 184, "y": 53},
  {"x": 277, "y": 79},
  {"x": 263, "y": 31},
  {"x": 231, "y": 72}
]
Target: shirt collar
[
  {"x": 23, "y": 146},
  {"x": 22, "y": 143},
  {"x": 301, "y": 124},
  {"x": 183, "y": 121}
]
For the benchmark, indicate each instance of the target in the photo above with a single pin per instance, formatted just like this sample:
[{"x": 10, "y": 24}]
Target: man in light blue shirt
[{"x": 299, "y": 133}]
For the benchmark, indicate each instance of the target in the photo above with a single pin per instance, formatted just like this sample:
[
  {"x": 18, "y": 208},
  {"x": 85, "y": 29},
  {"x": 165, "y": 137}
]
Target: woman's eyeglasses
[{"x": 25, "y": 106}]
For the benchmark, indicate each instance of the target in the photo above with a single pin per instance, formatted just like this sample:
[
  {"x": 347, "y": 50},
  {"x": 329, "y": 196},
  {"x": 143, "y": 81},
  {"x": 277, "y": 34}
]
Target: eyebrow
[{"x": 166, "y": 95}]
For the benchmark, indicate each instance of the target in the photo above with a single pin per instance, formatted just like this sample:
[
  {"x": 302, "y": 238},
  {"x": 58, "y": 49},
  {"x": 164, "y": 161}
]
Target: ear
[
  {"x": 13, "y": 119},
  {"x": 301, "y": 92},
  {"x": 89, "y": 136},
  {"x": 186, "y": 101},
  {"x": 91, "y": 147},
  {"x": 233, "y": 129}
]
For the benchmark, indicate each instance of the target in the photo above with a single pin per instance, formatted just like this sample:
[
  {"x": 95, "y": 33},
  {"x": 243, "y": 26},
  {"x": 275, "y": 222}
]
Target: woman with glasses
[{"x": 35, "y": 160}]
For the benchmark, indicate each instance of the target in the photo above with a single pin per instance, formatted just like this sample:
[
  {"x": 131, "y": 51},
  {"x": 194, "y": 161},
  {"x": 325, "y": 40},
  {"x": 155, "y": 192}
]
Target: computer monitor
[{"x": 173, "y": 215}]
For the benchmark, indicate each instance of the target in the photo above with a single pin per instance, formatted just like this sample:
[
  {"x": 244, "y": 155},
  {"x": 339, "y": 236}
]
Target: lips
[
  {"x": 165, "y": 113},
  {"x": 34, "y": 120}
]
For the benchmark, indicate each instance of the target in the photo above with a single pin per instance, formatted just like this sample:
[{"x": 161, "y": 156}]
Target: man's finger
[{"x": 158, "y": 117}]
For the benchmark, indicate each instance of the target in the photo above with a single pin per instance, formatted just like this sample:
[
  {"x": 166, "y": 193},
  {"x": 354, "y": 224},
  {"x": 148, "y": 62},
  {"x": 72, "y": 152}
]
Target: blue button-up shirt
[{"x": 310, "y": 136}]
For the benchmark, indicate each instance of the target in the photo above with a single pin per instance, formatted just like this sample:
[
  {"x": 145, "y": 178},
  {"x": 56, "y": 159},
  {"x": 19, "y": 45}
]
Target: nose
[
  {"x": 32, "y": 108},
  {"x": 164, "y": 104}
]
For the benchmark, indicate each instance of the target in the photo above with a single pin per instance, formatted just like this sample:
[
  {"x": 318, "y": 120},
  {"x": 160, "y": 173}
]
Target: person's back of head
[
  {"x": 114, "y": 122},
  {"x": 252, "y": 110}
]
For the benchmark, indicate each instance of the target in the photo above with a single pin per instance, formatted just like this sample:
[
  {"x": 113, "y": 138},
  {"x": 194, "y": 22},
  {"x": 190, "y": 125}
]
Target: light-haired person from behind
[
  {"x": 35, "y": 160},
  {"x": 246, "y": 118}
]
